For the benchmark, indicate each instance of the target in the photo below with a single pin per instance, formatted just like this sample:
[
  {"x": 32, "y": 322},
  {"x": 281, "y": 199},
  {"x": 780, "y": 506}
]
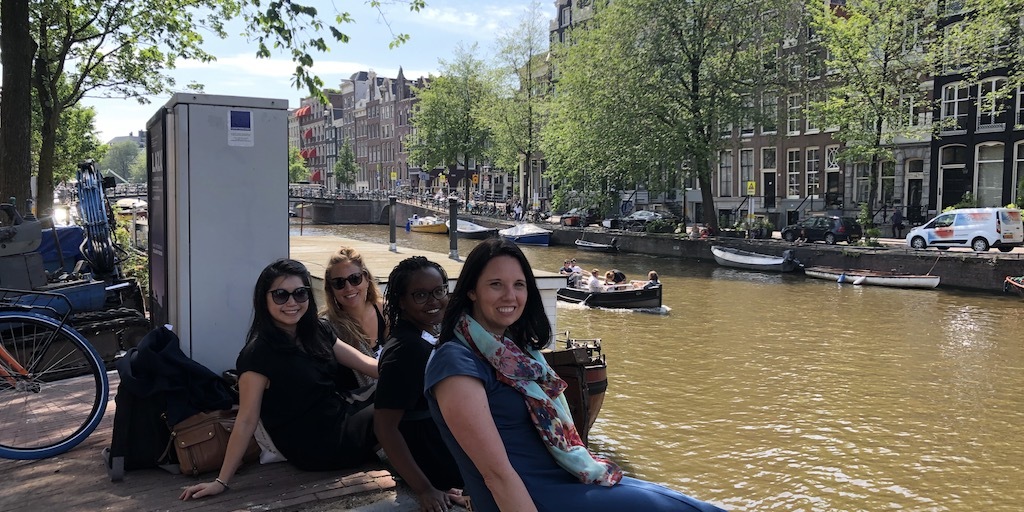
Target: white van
[{"x": 977, "y": 228}]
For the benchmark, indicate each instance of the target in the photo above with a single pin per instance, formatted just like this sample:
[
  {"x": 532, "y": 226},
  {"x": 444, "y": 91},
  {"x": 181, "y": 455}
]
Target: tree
[
  {"x": 992, "y": 35},
  {"x": 879, "y": 61},
  {"x": 297, "y": 170},
  {"x": 447, "y": 120},
  {"x": 123, "y": 47},
  {"x": 121, "y": 158},
  {"x": 645, "y": 92},
  {"x": 514, "y": 115},
  {"x": 345, "y": 169}
]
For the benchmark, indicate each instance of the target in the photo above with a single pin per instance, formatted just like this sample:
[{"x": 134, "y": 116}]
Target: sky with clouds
[{"x": 435, "y": 32}]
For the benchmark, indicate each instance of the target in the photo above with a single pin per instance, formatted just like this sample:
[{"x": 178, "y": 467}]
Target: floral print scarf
[{"x": 530, "y": 375}]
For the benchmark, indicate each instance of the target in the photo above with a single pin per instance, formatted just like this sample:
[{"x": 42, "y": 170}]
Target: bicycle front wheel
[{"x": 53, "y": 386}]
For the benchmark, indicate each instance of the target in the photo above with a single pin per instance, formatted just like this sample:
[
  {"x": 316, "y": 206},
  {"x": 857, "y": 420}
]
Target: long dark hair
[
  {"x": 263, "y": 326},
  {"x": 398, "y": 285},
  {"x": 532, "y": 329}
]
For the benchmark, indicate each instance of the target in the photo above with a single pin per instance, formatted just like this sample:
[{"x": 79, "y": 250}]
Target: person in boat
[
  {"x": 594, "y": 284},
  {"x": 414, "y": 305},
  {"x": 576, "y": 269},
  {"x": 287, "y": 379},
  {"x": 652, "y": 280},
  {"x": 354, "y": 307},
  {"x": 614, "y": 279},
  {"x": 488, "y": 361},
  {"x": 566, "y": 268}
]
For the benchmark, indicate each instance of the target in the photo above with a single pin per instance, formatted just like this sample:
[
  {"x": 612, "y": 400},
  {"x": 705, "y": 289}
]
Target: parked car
[
  {"x": 977, "y": 228},
  {"x": 826, "y": 228},
  {"x": 580, "y": 217}
]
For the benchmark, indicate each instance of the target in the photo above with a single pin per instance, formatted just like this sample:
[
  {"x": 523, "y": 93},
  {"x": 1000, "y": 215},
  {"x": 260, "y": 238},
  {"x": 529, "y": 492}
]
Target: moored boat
[
  {"x": 587, "y": 245},
  {"x": 631, "y": 296},
  {"x": 581, "y": 365},
  {"x": 1014, "y": 283},
  {"x": 527, "y": 234},
  {"x": 467, "y": 229},
  {"x": 429, "y": 224},
  {"x": 736, "y": 258},
  {"x": 872, "y": 277}
]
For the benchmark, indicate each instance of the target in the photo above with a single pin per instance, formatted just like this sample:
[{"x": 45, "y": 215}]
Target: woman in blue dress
[{"x": 486, "y": 368}]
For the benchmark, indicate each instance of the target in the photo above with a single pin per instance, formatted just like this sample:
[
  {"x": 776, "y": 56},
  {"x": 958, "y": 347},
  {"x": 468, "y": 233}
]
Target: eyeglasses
[
  {"x": 338, "y": 283},
  {"x": 419, "y": 296},
  {"x": 281, "y": 295}
]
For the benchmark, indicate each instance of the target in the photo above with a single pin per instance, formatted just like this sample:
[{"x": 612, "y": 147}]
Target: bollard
[
  {"x": 392, "y": 237},
  {"x": 453, "y": 232}
]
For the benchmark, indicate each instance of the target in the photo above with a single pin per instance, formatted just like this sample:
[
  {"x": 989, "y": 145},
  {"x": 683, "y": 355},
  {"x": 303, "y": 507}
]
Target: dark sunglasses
[
  {"x": 281, "y": 296},
  {"x": 338, "y": 283},
  {"x": 419, "y": 296}
]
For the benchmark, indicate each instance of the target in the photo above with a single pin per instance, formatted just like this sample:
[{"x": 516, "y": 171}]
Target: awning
[
  {"x": 309, "y": 132},
  {"x": 304, "y": 153},
  {"x": 312, "y": 152},
  {"x": 304, "y": 111},
  {"x": 315, "y": 176}
]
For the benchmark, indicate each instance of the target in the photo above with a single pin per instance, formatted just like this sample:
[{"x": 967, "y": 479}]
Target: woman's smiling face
[
  {"x": 500, "y": 294},
  {"x": 349, "y": 296},
  {"x": 422, "y": 284},
  {"x": 286, "y": 316}
]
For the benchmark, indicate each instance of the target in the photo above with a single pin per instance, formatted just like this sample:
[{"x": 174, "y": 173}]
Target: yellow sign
[
  {"x": 440, "y": 178},
  {"x": 394, "y": 175},
  {"x": 476, "y": 179},
  {"x": 751, "y": 188}
]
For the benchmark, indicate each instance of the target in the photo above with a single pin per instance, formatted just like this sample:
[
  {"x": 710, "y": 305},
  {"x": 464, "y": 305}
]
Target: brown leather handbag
[{"x": 201, "y": 440}]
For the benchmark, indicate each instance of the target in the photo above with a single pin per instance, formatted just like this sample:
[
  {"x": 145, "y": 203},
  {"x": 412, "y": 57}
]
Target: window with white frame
[
  {"x": 990, "y": 174},
  {"x": 1018, "y": 174},
  {"x": 952, "y": 159},
  {"x": 746, "y": 167},
  {"x": 832, "y": 158},
  {"x": 887, "y": 182},
  {"x": 814, "y": 65},
  {"x": 768, "y": 158},
  {"x": 955, "y": 101},
  {"x": 1020, "y": 108},
  {"x": 793, "y": 114},
  {"x": 991, "y": 109},
  {"x": 813, "y": 97},
  {"x": 793, "y": 173},
  {"x": 813, "y": 179},
  {"x": 769, "y": 112},
  {"x": 725, "y": 173},
  {"x": 862, "y": 182},
  {"x": 747, "y": 123},
  {"x": 911, "y": 107}
]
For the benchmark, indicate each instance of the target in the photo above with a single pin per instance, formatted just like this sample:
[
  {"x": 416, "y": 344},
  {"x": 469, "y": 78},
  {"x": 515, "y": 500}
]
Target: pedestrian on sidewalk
[{"x": 897, "y": 224}]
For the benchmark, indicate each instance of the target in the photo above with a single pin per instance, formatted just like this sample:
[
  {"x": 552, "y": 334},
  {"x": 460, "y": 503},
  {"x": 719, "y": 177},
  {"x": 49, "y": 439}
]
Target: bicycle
[{"x": 49, "y": 373}]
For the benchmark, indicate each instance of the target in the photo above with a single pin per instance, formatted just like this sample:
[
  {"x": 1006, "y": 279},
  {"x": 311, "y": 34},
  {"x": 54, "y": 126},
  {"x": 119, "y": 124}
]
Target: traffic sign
[
  {"x": 751, "y": 188},
  {"x": 476, "y": 179}
]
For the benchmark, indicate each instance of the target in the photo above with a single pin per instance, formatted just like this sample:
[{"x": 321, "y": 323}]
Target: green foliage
[
  {"x": 645, "y": 91},
  {"x": 135, "y": 263},
  {"x": 867, "y": 223},
  {"x": 297, "y": 170},
  {"x": 966, "y": 201},
  {"x": 122, "y": 157},
  {"x": 659, "y": 226},
  {"x": 345, "y": 169}
]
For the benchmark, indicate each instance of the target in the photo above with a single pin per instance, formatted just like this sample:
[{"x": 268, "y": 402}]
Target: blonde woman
[{"x": 354, "y": 307}]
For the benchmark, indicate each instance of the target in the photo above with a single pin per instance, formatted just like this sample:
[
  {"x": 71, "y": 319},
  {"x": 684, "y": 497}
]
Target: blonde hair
[{"x": 345, "y": 326}]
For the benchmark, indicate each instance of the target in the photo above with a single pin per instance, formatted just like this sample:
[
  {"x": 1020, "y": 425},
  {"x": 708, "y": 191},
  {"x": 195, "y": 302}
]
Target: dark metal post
[
  {"x": 453, "y": 232},
  {"x": 392, "y": 236}
]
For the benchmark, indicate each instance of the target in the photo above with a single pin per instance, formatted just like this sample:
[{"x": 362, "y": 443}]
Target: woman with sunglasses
[
  {"x": 353, "y": 309},
  {"x": 287, "y": 371},
  {"x": 414, "y": 304},
  {"x": 501, "y": 408}
]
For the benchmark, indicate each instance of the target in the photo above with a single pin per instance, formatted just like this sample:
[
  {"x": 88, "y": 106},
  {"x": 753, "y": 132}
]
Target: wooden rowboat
[
  {"x": 872, "y": 277},
  {"x": 581, "y": 365},
  {"x": 736, "y": 258},
  {"x": 427, "y": 225},
  {"x": 587, "y": 245}
]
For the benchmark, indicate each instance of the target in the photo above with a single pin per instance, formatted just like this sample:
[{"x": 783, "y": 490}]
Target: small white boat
[
  {"x": 587, "y": 245},
  {"x": 467, "y": 229},
  {"x": 872, "y": 277},
  {"x": 427, "y": 224},
  {"x": 527, "y": 234},
  {"x": 736, "y": 258}
]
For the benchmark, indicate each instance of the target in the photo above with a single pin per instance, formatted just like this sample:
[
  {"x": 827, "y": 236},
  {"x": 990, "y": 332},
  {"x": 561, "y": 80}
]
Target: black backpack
[{"x": 141, "y": 437}]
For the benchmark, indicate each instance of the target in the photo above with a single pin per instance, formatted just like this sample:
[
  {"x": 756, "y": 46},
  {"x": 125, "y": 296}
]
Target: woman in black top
[
  {"x": 287, "y": 377},
  {"x": 416, "y": 297}
]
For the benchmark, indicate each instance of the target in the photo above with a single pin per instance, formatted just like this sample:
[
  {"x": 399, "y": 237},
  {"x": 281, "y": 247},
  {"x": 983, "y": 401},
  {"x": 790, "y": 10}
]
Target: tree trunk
[
  {"x": 524, "y": 181},
  {"x": 707, "y": 197},
  {"x": 50, "y": 107},
  {"x": 16, "y": 51}
]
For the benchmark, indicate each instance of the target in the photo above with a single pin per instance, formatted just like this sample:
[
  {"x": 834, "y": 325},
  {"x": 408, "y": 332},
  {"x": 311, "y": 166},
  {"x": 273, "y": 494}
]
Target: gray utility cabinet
[{"x": 218, "y": 214}]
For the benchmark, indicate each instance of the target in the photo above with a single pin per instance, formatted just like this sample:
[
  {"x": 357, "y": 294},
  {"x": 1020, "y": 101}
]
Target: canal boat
[
  {"x": 627, "y": 296},
  {"x": 527, "y": 234},
  {"x": 429, "y": 224},
  {"x": 467, "y": 229},
  {"x": 1014, "y": 283},
  {"x": 580, "y": 363},
  {"x": 872, "y": 277},
  {"x": 587, "y": 245},
  {"x": 737, "y": 258}
]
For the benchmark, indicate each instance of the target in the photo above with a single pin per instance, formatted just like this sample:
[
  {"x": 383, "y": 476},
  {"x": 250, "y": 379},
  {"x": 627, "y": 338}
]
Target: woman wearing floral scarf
[{"x": 500, "y": 406}]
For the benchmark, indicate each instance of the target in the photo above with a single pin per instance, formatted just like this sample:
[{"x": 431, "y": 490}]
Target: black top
[
  {"x": 302, "y": 410},
  {"x": 400, "y": 386}
]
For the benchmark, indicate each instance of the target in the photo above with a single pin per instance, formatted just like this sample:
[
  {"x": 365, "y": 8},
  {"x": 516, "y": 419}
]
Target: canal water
[{"x": 765, "y": 391}]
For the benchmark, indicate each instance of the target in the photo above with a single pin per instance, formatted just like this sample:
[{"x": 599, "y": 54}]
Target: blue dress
[{"x": 551, "y": 487}]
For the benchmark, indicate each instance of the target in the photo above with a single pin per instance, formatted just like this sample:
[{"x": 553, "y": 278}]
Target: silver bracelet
[{"x": 219, "y": 481}]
